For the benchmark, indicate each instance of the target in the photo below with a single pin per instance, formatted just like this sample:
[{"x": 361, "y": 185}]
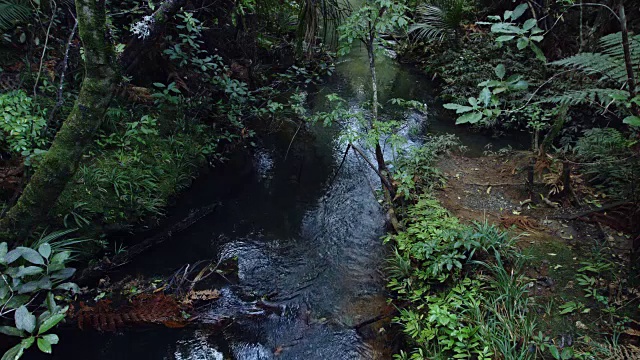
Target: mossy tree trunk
[{"x": 61, "y": 161}]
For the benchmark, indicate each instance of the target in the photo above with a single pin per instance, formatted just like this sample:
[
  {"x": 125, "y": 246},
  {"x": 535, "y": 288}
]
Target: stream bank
[{"x": 305, "y": 233}]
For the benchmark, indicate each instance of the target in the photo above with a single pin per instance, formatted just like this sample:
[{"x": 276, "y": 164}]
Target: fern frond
[
  {"x": 586, "y": 96},
  {"x": 609, "y": 67},
  {"x": 612, "y": 45},
  {"x": 609, "y": 63},
  {"x": 13, "y": 12}
]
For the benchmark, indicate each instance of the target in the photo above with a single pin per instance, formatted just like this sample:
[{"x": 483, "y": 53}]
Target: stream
[{"x": 311, "y": 242}]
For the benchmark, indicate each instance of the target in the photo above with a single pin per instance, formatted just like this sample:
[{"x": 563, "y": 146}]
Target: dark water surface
[{"x": 311, "y": 243}]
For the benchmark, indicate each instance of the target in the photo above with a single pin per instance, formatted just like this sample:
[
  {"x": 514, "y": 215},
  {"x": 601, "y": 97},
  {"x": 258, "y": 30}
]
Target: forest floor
[{"x": 560, "y": 249}]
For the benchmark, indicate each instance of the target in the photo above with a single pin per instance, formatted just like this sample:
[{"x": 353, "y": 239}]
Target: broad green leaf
[
  {"x": 60, "y": 257},
  {"x": 53, "y": 267},
  {"x": 632, "y": 121},
  {"x": 538, "y": 52},
  {"x": 26, "y": 343},
  {"x": 159, "y": 85},
  {"x": 504, "y": 28},
  {"x": 473, "y": 101},
  {"x": 458, "y": 108},
  {"x": 3, "y": 252},
  {"x": 63, "y": 274},
  {"x": 522, "y": 43},
  {"x": 554, "y": 352},
  {"x": 537, "y": 38},
  {"x": 74, "y": 288},
  {"x": 49, "y": 323},
  {"x": 470, "y": 118},
  {"x": 50, "y": 301},
  {"x": 52, "y": 338},
  {"x": 11, "y": 331},
  {"x": 519, "y": 11},
  {"x": 485, "y": 96},
  {"x": 45, "y": 250},
  {"x": 503, "y": 38},
  {"x": 14, "y": 353},
  {"x": 17, "y": 301},
  {"x": 28, "y": 254},
  {"x": 500, "y": 71},
  {"x": 25, "y": 320},
  {"x": 520, "y": 85},
  {"x": 29, "y": 270},
  {"x": 44, "y": 345},
  {"x": 529, "y": 24},
  {"x": 32, "y": 286}
]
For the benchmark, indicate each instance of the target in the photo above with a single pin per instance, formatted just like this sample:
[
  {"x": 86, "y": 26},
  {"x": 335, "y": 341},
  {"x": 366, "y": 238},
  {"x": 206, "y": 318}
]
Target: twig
[
  {"x": 291, "y": 142},
  {"x": 65, "y": 63},
  {"x": 44, "y": 50},
  {"x": 384, "y": 180},
  {"x": 344, "y": 157}
]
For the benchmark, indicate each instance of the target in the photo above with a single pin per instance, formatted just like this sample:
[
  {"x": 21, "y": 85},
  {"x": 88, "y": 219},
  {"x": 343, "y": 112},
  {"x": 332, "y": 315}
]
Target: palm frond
[
  {"x": 430, "y": 23},
  {"x": 438, "y": 19},
  {"x": 13, "y": 12},
  {"x": 59, "y": 241}
]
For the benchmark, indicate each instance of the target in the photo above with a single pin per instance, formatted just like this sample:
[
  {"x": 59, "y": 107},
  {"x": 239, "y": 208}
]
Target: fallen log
[{"x": 106, "y": 265}]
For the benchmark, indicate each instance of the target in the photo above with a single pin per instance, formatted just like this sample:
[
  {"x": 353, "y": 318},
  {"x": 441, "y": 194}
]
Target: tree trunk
[
  {"x": 631, "y": 81},
  {"x": 61, "y": 161}
]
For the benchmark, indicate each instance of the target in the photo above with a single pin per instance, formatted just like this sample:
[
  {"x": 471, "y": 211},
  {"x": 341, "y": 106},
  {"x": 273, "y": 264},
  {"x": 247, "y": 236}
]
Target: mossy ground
[{"x": 557, "y": 250}]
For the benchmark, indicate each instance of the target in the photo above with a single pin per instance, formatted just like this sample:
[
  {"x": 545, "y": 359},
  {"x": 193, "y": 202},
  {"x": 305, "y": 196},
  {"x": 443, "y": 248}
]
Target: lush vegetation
[{"x": 110, "y": 110}]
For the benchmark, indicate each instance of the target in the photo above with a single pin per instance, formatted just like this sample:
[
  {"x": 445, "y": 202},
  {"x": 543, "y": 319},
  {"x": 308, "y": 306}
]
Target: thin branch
[
  {"x": 595, "y": 4},
  {"x": 44, "y": 50},
  {"x": 383, "y": 178},
  {"x": 65, "y": 64}
]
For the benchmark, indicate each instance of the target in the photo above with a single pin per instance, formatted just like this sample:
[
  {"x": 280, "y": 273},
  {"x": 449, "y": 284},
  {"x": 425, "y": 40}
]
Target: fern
[
  {"x": 13, "y": 12},
  {"x": 586, "y": 96},
  {"x": 609, "y": 64}
]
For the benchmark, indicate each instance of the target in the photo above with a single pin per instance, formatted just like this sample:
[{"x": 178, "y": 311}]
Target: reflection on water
[{"x": 308, "y": 240}]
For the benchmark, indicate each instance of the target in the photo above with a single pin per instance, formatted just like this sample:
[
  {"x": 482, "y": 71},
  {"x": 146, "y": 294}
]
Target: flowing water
[{"x": 308, "y": 240}]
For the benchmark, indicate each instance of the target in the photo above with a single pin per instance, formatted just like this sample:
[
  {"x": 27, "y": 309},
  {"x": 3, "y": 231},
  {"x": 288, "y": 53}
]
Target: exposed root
[{"x": 521, "y": 222}]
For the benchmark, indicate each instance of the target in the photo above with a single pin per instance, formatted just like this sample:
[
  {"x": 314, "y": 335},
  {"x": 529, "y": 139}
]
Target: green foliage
[
  {"x": 415, "y": 168},
  {"x": 33, "y": 274},
  {"x": 13, "y": 12},
  {"x": 525, "y": 35},
  {"x": 439, "y": 19},
  {"x": 21, "y": 124},
  {"x": 457, "y": 311},
  {"x": 608, "y": 63},
  {"x": 486, "y": 107},
  {"x": 609, "y": 69},
  {"x": 611, "y": 163},
  {"x": 373, "y": 18}
]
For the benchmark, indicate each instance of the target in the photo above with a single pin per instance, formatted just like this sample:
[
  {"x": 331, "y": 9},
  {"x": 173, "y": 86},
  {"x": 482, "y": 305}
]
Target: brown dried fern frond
[{"x": 144, "y": 309}]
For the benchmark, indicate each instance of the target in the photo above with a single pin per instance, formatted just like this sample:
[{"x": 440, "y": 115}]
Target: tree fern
[
  {"x": 13, "y": 12},
  {"x": 608, "y": 64}
]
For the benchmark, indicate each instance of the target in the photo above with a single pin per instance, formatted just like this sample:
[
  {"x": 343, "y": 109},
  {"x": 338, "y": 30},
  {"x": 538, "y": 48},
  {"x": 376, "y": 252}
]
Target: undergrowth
[{"x": 466, "y": 296}]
